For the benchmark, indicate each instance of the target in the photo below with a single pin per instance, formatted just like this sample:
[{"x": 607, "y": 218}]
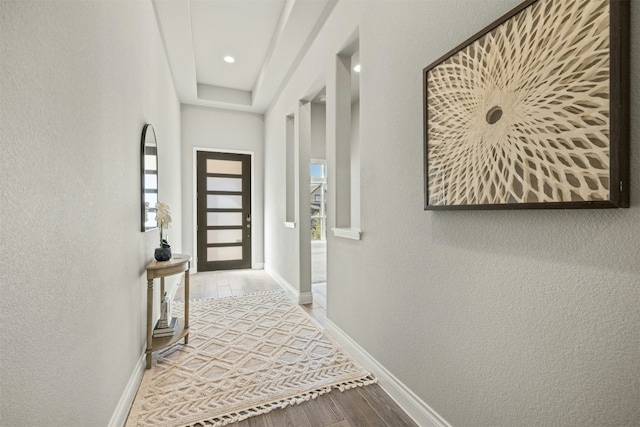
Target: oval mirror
[{"x": 149, "y": 177}]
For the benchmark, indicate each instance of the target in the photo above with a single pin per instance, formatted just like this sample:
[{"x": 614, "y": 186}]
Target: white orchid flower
[{"x": 163, "y": 218}]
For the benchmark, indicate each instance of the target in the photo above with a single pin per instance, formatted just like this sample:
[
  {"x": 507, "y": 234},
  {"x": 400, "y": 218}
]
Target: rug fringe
[
  {"x": 234, "y": 417},
  {"x": 230, "y": 297}
]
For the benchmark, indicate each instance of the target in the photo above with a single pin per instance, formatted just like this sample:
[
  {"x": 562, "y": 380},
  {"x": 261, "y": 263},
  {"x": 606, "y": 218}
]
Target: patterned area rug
[{"x": 246, "y": 356}]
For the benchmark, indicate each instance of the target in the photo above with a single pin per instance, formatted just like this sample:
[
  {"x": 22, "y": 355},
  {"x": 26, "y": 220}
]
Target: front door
[{"x": 224, "y": 211}]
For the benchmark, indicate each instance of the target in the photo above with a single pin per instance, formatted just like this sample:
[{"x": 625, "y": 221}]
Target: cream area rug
[{"x": 246, "y": 356}]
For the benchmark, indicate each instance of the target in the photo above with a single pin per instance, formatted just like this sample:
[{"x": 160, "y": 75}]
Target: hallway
[
  {"x": 220, "y": 284},
  {"x": 364, "y": 406}
]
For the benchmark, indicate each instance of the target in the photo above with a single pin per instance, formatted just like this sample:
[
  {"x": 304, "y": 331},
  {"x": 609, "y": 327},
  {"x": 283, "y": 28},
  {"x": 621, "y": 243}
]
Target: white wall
[
  {"x": 355, "y": 166},
  {"x": 520, "y": 318},
  {"x": 318, "y": 131},
  {"x": 221, "y": 130},
  {"x": 278, "y": 240},
  {"x": 78, "y": 81}
]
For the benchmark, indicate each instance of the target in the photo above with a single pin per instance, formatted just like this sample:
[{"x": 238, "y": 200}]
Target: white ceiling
[{"x": 266, "y": 37}]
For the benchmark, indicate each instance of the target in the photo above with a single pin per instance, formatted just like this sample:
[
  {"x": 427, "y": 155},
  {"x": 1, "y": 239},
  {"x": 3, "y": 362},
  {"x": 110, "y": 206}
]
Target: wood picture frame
[{"x": 532, "y": 112}]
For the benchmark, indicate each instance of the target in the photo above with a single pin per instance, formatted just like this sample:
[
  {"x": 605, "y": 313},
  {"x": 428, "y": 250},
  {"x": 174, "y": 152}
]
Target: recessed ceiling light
[
  {"x": 357, "y": 68},
  {"x": 229, "y": 59}
]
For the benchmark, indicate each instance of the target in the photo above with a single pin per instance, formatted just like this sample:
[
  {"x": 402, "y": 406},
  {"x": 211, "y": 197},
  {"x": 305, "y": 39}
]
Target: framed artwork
[{"x": 532, "y": 112}]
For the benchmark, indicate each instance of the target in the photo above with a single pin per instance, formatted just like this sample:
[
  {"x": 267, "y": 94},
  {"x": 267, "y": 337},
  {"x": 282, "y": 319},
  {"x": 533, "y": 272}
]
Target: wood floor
[{"x": 366, "y": 406}]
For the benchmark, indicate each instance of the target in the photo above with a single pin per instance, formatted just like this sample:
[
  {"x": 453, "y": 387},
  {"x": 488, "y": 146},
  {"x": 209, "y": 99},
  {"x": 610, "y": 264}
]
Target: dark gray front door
[{"x": 224, "y": 211}]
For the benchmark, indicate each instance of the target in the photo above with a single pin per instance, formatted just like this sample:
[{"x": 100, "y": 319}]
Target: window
[{"x": 318, "y": 192}]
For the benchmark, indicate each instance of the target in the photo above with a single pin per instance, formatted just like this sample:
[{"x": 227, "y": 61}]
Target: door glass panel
[
  {"x": 224, "y": 218},
  {"x": 230, "y": 167},
  {"x": 223, "y": 201},
  {"x": 150, "y": 218},
  {"x": 152, "y": 199},
  {"x": 150, "y": 162},
  {"x": 150, "y": 181},
  {"x": 224, "y": 184},
  {"x": 226, "y": 253},
  {"x": 224, "y": 236}
]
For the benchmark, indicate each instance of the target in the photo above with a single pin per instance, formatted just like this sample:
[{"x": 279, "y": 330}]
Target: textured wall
[
  {"x": 222, "y": 130},
  {"x": 318, "y": 131},
  {"x": 78, "y": 82},
  {"x": 279, "y": 242},
  {"x": 525, "y": 318}
]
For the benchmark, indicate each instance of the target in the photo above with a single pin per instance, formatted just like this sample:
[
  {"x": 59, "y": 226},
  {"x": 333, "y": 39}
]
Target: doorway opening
[{"x": 318, "y": 205}]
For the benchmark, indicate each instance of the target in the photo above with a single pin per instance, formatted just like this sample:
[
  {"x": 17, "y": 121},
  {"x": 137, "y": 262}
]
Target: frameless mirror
[{"x": 149, "y": 177}]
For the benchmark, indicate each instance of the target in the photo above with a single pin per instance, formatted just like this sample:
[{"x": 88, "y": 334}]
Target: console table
[{"x": 160, "y": 269}]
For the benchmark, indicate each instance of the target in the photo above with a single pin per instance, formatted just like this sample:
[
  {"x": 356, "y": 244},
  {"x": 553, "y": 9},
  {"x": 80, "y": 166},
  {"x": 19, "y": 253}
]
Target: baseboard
[
  {"x": 305, "y": 298},
  {"x": 121, "y": 412},
  {"x": 258, "y": 266},
  {"x": 417, "y": 409},
  {"x": 300, "y": 297}
]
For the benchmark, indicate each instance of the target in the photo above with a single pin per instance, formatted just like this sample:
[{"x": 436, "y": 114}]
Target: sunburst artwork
[{"x": 532, "y": 112}]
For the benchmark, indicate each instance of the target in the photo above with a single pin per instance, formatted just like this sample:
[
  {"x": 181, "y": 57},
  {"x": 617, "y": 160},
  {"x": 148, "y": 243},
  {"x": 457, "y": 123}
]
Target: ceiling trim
[{"x": 298, "y": 25}]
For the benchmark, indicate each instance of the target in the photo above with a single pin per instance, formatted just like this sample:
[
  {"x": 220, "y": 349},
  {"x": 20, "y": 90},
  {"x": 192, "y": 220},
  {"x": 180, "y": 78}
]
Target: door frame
[{"x": 194, "y": 199}]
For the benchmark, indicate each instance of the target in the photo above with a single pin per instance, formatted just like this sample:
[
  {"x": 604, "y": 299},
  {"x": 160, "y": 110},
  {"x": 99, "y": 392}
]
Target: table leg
[
  {"x": 186, "y": 304},
  {"x": 149, "y": 326}
]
